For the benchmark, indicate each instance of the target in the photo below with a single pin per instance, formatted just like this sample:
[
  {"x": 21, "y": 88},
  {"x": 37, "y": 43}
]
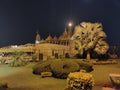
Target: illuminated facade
[{"x": 54, "y": 47}]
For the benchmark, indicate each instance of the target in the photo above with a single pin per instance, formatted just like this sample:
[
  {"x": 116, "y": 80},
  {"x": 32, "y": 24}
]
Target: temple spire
[{"x": 37, "y": 41}]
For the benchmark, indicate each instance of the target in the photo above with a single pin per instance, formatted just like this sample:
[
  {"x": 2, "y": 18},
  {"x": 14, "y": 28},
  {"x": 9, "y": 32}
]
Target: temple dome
[{"x": 49, "y": 38}]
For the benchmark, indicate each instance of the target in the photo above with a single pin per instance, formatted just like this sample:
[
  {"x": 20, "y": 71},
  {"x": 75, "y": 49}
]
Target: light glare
[{"x": 70, "y": 24}]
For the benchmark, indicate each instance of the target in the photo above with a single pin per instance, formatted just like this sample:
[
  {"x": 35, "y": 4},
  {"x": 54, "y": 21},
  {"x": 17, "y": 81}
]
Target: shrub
[
  {"x": 2, "y": 60},
  {"x": 85, "y": 65},
  {"x": 43, "y": 66},
  {"x": 80, "y": 81},
  {"x": 105, "y": 62},
  {"x": 61, "y": 68},
  {"x": 46, "y": 74},
  {"x": 17, "y": 63},
  {"x": 18, "y": 59}
]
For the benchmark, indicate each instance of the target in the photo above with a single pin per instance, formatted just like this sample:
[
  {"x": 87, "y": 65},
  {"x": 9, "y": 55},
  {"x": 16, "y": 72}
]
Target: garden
[{"x": 22, "y": 78}]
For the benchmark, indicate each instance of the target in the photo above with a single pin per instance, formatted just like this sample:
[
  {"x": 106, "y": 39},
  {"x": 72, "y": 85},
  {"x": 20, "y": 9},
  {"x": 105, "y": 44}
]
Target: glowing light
[{"x": 70, "y": 24}]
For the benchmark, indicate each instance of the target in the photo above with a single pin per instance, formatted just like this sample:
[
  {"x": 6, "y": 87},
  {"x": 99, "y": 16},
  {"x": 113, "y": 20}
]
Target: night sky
[{"x": 20, "y": 19}]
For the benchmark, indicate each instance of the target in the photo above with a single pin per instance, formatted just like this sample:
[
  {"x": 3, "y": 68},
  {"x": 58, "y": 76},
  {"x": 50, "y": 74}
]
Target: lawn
[{"x": 21, "y": 78}]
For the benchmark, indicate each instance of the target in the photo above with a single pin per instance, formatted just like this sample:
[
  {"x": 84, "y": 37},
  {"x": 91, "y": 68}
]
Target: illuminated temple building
[
  {"x": 62, "y": 40},
  {"x": 54, "y": 47}
]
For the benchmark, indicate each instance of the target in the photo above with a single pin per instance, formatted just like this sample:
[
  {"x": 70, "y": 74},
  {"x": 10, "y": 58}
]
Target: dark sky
[{"x": 20, "y": 19}]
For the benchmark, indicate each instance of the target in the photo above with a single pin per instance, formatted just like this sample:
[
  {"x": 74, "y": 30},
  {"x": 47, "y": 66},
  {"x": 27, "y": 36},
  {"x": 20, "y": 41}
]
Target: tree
[
  {"x": 18, "y": 59},
  {"x": 90, "y": 36}
]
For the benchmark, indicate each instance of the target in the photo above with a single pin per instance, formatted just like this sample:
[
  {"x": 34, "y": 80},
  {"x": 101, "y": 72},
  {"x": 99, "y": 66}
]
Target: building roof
[{"x": 38, "y": 37}]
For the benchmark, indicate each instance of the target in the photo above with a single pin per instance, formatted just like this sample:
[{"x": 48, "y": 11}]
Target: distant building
[
  {"x": 62, "y": 40},
  {"x": 55, "y": 47}
]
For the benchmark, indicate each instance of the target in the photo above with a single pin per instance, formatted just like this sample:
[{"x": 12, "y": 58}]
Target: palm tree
[
  {"x": 90, "y": 36},
  {"x": 18, "y": 59}
]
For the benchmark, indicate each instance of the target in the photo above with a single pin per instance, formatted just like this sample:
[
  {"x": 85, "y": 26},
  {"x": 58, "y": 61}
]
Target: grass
[
  {"x": 21, "y": 78},
  {"x": 101, "y": 72}
]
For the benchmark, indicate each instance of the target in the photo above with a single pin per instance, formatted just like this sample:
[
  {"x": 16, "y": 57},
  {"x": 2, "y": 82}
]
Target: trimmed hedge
[
  {"x": 61, "y": 68},
  {"x": 43, "y": 66},
  {"x": 85, "y": 65}
]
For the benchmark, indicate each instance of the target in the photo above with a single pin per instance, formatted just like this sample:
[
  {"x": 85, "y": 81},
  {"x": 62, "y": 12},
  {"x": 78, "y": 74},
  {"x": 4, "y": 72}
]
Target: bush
[
  {"x": 80, "y": 81},
  {"x": 17, "y": 63},
  {"x": 2, "y": 60},
  {"x": 43, "y": 66},
  {"x": 61, "y": 68},
  {"x": 18, "y": 59},
  {"x": 85, "y": 65},
  {"x": 105, "y": 62}
]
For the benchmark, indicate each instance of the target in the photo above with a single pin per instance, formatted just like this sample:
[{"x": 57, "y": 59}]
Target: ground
[{"x": 21, "y": 78}]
